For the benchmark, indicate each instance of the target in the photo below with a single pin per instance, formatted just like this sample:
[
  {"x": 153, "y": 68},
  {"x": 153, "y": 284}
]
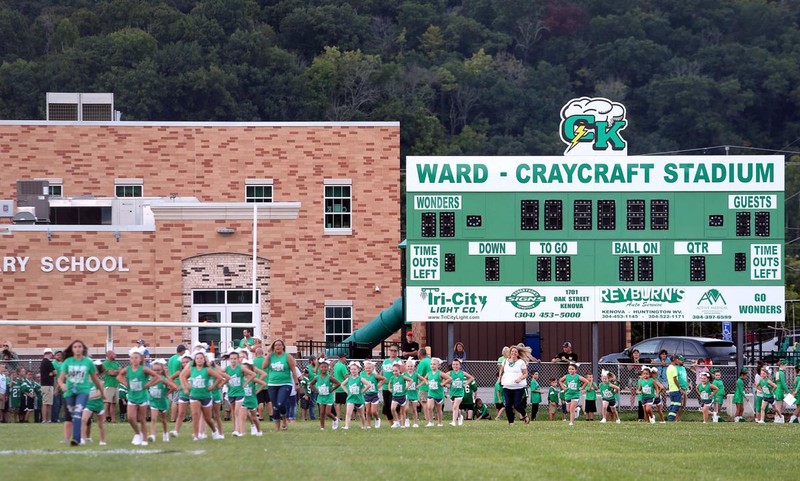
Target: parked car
[{"x": 693, "y": 348}]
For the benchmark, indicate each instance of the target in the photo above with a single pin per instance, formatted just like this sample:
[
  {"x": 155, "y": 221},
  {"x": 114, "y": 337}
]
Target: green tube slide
[{"x": 375, "y": 331}]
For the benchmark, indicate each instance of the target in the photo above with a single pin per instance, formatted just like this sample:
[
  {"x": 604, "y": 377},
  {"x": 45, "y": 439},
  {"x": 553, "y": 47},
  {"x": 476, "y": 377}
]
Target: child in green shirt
[
  {"x": 498, "y": 400},
  {"x": 719, "y": 397},
  {"x": 536, "y": 395},
  {"x": 738, "y": 396},
  {"x": 553, "y": 395},
  {"x": 481, "y": 411},
  {"x": 590, "y": 401}
]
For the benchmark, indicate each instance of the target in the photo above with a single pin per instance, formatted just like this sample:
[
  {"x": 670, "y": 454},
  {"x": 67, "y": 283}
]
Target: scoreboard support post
[
  {"x": 451, "y": 340},
  {"x": 595, "y": 349},
  {"x": 739, "y": 347}
]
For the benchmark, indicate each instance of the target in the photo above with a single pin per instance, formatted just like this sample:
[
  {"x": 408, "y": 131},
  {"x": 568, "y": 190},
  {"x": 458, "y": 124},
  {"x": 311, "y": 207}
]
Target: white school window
[
  {"x": 338, "y": 206},
  {"x": 338, "y": 320},
  {"x": 56, "y": 186},
  {"x": 258, "y": 190},
  {"x": 128, "y": 188}
]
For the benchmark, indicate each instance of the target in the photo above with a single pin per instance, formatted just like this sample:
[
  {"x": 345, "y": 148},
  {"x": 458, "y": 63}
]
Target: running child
[
  {"x": 590, "y": 399},
  {"x": 355, "y": 386},
  {"x": 572, "y": 383},
  {"x": 159, "y": 389},
  {"x": 767, "y": 389},
  {"x": 706, "y": 391},
  {"x": 553, "y": 395},
  {"x": 134, "y": 378},
  {"x": 250, "y": 401},
  {"x": 324, "y": 384},
  {"x": 738, "y": 396},
  {"x": 183, "y": 398},
  {"x": 458, "y": 379},
  {"x": 95, "y": 406},
  {"x": 371, "y": 395},
  {"x": 780, "y": 391},
  {"x": 236, "y": 393},
  {"x": 397, "y": 386},
  {"x": 436, "y": 381},
  {"x": 608, "y": 392},
  {"x": 658, "y": 401},
  {"x": 197, "y": 382},
  {"x": 412, "y": 391},
  {"x": 719, "y": 397},
  {"x": 647, "y": 389}
]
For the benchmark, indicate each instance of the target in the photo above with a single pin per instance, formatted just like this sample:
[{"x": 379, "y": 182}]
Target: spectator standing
[
  {"x": 174, "y": 366},
  {"x": 340, "y": 373},
  {"x": 58, "y": 396},
  {"x": 111, "y": 385},
  {"x": 3, "y": 392},
  {"x": 247, "y": 341},
  {"x": 567, "y": 354},
  {"x": 410, "y": 347},
  {"x": 48, "y": 376},
  {"x": 459, "y": 352}
]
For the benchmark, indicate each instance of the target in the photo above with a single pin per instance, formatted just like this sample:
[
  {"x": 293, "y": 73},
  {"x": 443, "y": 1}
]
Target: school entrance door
[{"x": 222, "y": 306}]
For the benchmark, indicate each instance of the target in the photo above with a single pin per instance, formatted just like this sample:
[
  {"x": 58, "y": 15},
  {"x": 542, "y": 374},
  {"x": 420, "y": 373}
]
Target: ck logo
[{"x": 593, "y": 125}]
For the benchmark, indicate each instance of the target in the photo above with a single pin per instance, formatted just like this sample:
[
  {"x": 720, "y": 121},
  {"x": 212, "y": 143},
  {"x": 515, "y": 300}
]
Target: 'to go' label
[{"x": 562, "y": 248}]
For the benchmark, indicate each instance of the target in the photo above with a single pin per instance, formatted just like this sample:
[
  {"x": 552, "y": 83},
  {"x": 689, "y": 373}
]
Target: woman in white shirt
[{"x": 514, "y": 379}]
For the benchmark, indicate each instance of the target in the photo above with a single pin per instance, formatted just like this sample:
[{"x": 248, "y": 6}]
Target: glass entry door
[{"x": 215, "y": 307}]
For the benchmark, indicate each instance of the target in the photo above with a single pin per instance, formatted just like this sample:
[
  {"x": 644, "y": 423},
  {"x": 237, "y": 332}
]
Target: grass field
[{"x": 478, "y": 450}]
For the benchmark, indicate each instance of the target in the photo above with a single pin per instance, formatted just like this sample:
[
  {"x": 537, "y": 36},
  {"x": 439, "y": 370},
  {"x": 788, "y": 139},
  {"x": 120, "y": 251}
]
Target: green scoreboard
[{"x": 595, "y": 238}]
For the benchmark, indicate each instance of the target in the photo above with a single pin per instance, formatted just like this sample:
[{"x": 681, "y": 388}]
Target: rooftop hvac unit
[
  {"x": 33, "y": 193},
  {"x": 80, "y": 107}
]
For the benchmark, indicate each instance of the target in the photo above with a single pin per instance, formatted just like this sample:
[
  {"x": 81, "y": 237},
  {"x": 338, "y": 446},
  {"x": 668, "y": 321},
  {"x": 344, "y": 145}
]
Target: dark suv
[{"x": 693, "y": 348}]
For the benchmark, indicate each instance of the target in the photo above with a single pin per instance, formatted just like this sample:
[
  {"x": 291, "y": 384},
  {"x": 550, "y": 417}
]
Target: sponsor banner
[
  {"x": 690, "y": 303},
  {"x": 752, "y": 173},
  {"x": 595, "y": 303},
  {"x": 497, "y": 304}
]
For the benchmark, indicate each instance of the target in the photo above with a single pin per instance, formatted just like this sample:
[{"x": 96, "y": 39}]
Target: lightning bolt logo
[{"x": 579, "y": 133}]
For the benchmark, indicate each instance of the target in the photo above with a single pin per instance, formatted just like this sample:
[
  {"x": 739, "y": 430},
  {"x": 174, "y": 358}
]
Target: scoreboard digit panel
[{"x": 553, "y": 239}]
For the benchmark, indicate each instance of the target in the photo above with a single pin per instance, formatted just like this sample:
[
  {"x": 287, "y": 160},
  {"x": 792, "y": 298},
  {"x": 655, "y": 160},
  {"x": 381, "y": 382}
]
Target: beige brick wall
[{"x": 306, "y": 267}]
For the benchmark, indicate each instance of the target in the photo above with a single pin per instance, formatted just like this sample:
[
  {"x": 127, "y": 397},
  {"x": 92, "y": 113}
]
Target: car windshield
[{"x": 720, "y": 349}]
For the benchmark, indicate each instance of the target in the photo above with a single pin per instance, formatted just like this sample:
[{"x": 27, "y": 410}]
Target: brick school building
[{"x": 153, "y": 221}]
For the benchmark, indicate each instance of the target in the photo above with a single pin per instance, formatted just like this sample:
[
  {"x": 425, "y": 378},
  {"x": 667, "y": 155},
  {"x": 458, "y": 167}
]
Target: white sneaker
[
  {"x": 577, "y": 412},
  {"x": 453, "y": 424},
  {"x": 102, "y": 443},
  {"x": 603, "y": 421},
  {"x": 253, "y": 430},
  {"x": 440, "y": 425},
  {"x": 618, "y": 421},
  {"x": 407, "y": 423},
  {"x": 235, "y": 434},
  {"x": 395, "y": 425},
  {"x": 215, "y": 435},
  {"x": 165, "y": 438},
  {"x": 345, "y": 428},
  {"x": 791, "y": 419},
  {"x": 429, "y": 425},
  {"x": 378, "y": 423},
  {"x": 257, "y": 434},
  {"x": 460, "y": 420},
  {"x": 195, "y": 438},
  {"x": 652, "y": 420},
  {"x": 144, "y": 443},
  {"x": 202, "y": 435},
  {"x": 760, "y": 422},
  {"x": 571, "y": 424},
  {"x": 83, "y": 442},
  {"x": 174, "y": 433},
  {"x": 151, "y": 438},
  {"x": 137, "y": 440},
  {"x": 415, "y": 425},
  {"x": 335, "y": 424}
]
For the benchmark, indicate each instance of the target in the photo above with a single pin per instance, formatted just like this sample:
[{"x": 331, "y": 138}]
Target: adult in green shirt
[
  {"x": 111, "y": 385},
  {"x": 683, "y": 381},
  {"x": 340, "y": 372},
  {"x": 75, "y": 380},
  {"x": 386, "y": 371},
  {"x": 282, "y": 376},
  {"x": 247, "y": 341},
  {"x": 174, "y": 366}
]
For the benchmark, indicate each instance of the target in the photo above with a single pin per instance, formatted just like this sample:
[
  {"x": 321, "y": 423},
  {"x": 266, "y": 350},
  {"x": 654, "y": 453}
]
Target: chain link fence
[{"x": 486, "y": 372}]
